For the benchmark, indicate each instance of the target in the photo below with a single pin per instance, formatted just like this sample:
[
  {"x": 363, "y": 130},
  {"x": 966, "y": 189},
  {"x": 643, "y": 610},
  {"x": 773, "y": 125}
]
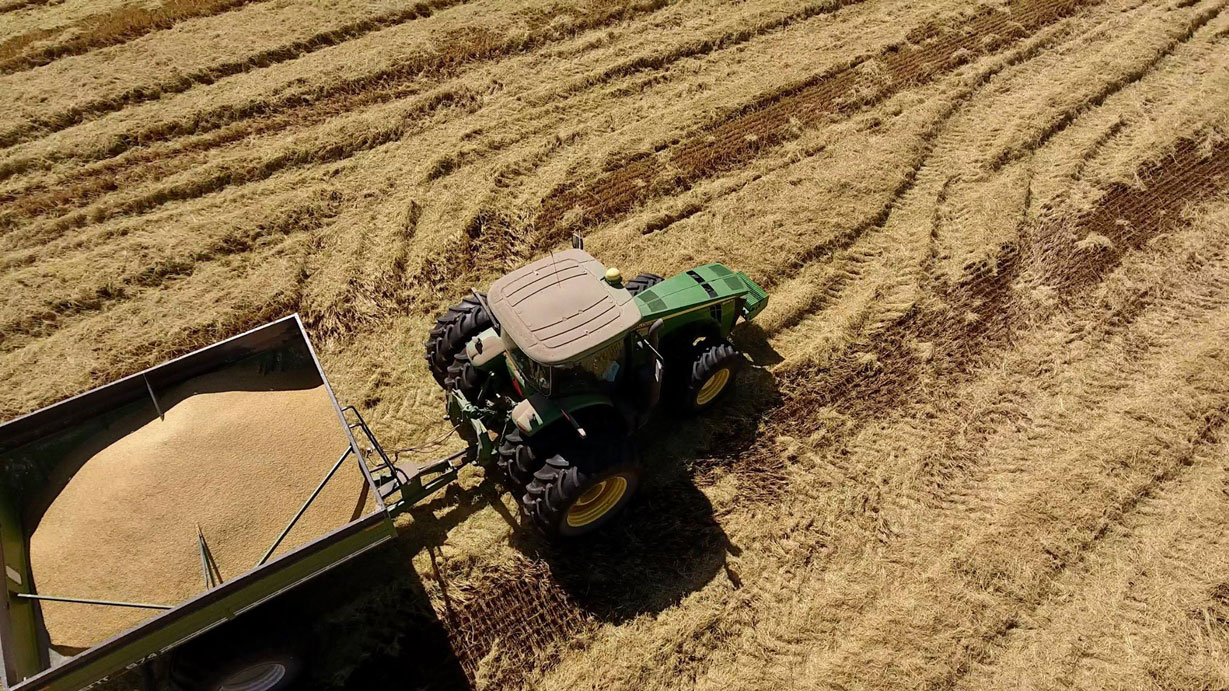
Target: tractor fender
[
  {"x": 485, "y": 350},
  {"x": 538, "y": 412}
]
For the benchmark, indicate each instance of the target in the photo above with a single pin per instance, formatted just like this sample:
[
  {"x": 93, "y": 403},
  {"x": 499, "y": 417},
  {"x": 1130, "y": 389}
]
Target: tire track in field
[
  {"x": 928, "y": 52},
  {"x": 456, "y": 51},
  {"x": 25, "y": 4},
  {"x": 144, "y": 165},
  {"x": 943, "y": 476},
  {"x": 881, "y": 376},
  {"x": 511, "y": 626},
  {"x": 1208, "y": 432},
  {"x": 31, "y": 326},
  {"x": 993, "y": 277},
  {"x": 495, "y": 229},
  {"x": 1067, "y": 117},
  {"x": 81, "y": 187},
  {"x": 1080, "y": 625},
  {"x": 221, "y": 177},
  {"x": 40, "y": 127},
  {"x": 1115, "y": 86},
  {"x": 520, "y": 616},
  {"x": 1128, "y": 218},
  {"x": 884, "y": 375},
  {"x": 644, "y": 63},
  {"x": 866, "y": 388},
  {"x": 980, "y": 312},
  {"x": 862, "y": 388},
  {"x": 111, "y": 28}
]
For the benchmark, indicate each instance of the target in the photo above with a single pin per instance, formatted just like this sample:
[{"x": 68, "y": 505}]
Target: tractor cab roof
[{"x": 560, "y": 307}]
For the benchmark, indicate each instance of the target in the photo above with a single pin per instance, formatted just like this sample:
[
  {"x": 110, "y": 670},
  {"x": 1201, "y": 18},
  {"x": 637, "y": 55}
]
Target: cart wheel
[
  {"x": 567, "y": 499},
  {"x": 272, "y": 670}
]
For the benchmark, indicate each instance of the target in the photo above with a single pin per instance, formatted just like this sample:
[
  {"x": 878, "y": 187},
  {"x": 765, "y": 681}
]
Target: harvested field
[{"x": 983, "y": 442}]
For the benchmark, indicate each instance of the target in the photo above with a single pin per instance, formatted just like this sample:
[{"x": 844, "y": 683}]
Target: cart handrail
[{"x": 384, "y": 462}]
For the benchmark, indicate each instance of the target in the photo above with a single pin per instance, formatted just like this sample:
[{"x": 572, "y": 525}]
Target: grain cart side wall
[{"x": 33, "y": 453}]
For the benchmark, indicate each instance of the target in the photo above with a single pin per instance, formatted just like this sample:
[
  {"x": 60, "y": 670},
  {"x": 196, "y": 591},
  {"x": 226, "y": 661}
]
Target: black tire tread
[
  {"x": 708, "y": 360},
  {"x": 464, "y": 376},
  {"x": 559, "y": 482},
  {"x": 451, "y": 332},
  {"x": 517, "y": 460},
  {"x": 642, "y": 282}
]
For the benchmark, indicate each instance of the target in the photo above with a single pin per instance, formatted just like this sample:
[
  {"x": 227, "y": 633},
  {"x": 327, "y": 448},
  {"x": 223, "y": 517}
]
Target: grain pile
[{"x": 237, "y": 462}]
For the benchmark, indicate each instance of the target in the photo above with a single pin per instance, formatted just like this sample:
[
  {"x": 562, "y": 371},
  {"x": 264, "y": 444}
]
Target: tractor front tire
[
  {"x": 569, "y": 498},
  {"x": 712, "y": 375},
  {"x": 451, "y": 332},
  {"x": 642, "y": 282}
]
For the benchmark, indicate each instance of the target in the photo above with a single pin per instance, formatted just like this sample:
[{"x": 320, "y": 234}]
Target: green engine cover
[{"x": 711, "y": 292}]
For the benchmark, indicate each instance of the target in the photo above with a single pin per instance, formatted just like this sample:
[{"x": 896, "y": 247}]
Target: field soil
[{"x": 982, "y": 443}]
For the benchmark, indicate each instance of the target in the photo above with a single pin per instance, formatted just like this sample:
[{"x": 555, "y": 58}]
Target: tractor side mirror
[
  {"x": 578, "y": 243},
  {"x": 649, "y": 376},
  {"x": 655, "y": 333}
]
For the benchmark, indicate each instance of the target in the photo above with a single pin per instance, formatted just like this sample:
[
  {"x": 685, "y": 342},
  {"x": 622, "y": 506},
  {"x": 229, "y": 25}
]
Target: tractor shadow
[{"x": 668, "y": 543}]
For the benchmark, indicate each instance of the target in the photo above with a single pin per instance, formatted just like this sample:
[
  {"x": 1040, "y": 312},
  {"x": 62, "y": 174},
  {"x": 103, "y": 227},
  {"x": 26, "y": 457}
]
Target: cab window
[{"x": 592, "y": 373}]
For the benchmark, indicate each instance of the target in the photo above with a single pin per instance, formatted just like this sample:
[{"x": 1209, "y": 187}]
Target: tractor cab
[{"x": 563, "y": 323}]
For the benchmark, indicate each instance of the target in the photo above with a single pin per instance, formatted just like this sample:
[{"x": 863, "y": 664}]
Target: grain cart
[
  {"x": 551, "y": 372},
  {"x": 40, "y": 454}
]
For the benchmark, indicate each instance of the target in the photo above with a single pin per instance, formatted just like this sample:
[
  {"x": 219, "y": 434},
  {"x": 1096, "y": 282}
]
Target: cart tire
[
  {"x": 713, "y": 371},
  {"x": 642, "y": 282},
  {"x": 517, "y": 461},
  {"x": 274, "y": 669},
  {"x": 451, "y": 332},
  {"x": 568, "y": 499}
]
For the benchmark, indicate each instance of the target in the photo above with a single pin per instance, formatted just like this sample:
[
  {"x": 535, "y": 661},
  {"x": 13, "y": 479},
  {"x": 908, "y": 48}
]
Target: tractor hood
[
  {"x": 560, "y": 307},
  {"x": 699, "y": 288}
]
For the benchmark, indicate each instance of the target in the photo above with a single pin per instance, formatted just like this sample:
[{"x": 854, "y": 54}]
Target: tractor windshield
[{"x": 593, "y": 372}]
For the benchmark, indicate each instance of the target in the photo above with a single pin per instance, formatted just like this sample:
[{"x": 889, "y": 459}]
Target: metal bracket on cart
[{"x": 401, "y": 483}]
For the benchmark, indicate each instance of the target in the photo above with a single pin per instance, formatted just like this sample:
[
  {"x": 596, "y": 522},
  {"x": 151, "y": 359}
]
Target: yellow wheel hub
[
  {"x": 714, "y": 386},
  {"x": 597, "y": 501}
]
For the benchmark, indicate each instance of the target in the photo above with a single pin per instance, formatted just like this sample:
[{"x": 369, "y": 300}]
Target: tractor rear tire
[
  {"x": 712, "y": 375},
  {"x": 643, "y": 282},
  {"x": 463, "y": 376},
  {"x": 517, "y": 460},
  {"x": 568, "y": 498},
  {"x": 451, "y": 332}
]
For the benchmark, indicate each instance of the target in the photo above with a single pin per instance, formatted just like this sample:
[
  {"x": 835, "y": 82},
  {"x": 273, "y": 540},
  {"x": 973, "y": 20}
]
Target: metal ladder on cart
[{"x": 400, "y": 483}]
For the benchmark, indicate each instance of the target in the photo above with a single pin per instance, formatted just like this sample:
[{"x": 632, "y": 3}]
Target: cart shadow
[{"x": 384, "y": 633}]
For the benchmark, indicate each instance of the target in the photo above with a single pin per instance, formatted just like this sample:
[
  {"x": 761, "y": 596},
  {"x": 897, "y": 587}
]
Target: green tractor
[{"x": 550, "y": 373}]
